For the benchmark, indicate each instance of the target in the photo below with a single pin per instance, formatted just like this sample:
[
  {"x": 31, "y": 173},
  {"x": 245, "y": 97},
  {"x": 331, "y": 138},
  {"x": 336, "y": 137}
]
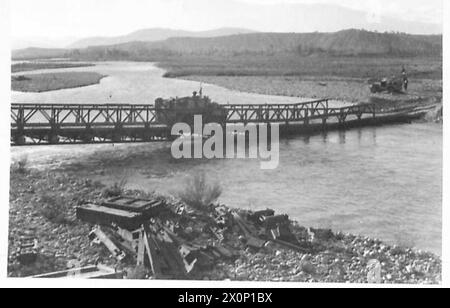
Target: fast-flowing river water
[{"x": 384, "y": 182}]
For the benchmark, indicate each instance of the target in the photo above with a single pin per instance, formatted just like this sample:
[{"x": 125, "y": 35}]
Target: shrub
[
  {"x": 117, "y": 189},
  {"x": 198, "y": 193},
  {"x": 20, "y": 167}
]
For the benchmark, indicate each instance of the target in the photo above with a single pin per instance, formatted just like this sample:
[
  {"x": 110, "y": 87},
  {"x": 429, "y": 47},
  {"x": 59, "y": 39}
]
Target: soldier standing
[{"x": 405, "y": 79}]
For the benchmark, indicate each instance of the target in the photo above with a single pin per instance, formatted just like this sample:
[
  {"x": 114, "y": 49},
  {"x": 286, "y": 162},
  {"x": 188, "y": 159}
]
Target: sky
[{"x": 69, "y": 19}]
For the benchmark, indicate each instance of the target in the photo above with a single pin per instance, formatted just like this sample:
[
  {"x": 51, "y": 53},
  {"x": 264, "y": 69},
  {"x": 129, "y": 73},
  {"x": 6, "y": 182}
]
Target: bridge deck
[{"x": 90, "y": 123}]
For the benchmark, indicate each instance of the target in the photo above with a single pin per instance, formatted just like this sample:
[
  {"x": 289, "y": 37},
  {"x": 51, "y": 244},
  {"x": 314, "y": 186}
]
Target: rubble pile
[
  {"x": 175, "y": 242},
  {"x": 142, "y": 236},
  {"x": 178, "y": 242}
]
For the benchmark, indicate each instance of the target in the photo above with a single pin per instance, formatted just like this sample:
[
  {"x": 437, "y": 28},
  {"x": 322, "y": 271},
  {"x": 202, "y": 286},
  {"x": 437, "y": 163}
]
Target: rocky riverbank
[{"x": 42, "y": 205}]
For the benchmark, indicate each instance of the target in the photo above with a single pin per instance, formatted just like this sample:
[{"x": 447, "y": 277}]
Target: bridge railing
[
  {"x": 302, "y": 112},
  {"x": 90, "y": 115},
  {"x": 24, "y": 115},
  {"x": 90, "y": 123}
]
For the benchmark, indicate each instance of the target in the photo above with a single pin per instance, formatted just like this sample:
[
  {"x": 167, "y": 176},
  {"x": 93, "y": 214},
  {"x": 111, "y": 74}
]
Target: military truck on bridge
[{"x": 183, "y": 110}]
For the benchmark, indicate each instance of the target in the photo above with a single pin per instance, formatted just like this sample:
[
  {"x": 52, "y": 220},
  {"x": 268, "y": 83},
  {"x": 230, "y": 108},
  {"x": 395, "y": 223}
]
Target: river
[
  {"x": 384, "y": 182},
  {"x": 139, "y": 83}
]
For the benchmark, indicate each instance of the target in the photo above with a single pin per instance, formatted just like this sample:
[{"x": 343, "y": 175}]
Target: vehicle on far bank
[
  {"x": 183, "y": 110},
  {"x": 389, "y": 85}
]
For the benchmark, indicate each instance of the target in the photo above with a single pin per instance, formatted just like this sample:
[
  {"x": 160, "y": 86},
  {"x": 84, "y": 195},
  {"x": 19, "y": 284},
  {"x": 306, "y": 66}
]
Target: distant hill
[
  {"x": 38, "y": 53},
  {"x": 152, "y": 35},
  {"x": 342, "y": 43},
  {"x": 41, "y": 42}
]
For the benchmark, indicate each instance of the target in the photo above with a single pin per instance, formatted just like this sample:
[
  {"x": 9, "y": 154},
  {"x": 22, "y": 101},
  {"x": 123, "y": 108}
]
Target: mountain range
[
  {"x": 343, "y": 43},
  {"x": 155, "y": 34},
  {"x": 280, "y": 18}
]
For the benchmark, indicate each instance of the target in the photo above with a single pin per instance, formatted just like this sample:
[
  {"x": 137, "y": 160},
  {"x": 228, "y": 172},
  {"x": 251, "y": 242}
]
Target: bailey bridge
[{"x": 43, "y": 124}]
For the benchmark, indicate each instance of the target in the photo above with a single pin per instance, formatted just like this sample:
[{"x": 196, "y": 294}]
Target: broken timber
[
  {"x": 160, "y": 253},
  {"x": 276, "y": 226},
  {"x": 127, "y": 213},
  {"x": 252, "y": 240},
  {"x": 98, "y": 236},
  {"x": 102, "y": 215},
  {"x": 28, "y": 250},
  {"x": 148, "y": 208},
  {"x": 90, "y": 272}
]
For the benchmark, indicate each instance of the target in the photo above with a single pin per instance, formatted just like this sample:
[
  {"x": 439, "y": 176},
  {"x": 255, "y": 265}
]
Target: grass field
[
  {"x": 54, "y": 81},
  {"x": 34, "y": 66}
]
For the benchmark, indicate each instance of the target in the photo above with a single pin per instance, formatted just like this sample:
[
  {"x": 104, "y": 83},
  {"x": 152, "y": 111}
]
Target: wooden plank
[
  {"x": 289, "y": 245},
  {"x": 224, "y": 251},
  {"x": 173, "y": 258},
  {"x": 89, "y": 272},
  {"x": 101, "y": 215},
  {"x": 252, "y": 240},
  {"x": 104, "y": 239},
  {"x": 149, "y": 208},
  {"x": 151, "y": 252}
]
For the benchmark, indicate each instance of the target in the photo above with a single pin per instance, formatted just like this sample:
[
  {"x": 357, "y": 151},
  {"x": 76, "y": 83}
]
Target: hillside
[
  {"x": 38, "y": 53},
  {"x": 343, "y": 43},
  {"x": 152, "y": 35},
  {"x": 350, "y": 42}
]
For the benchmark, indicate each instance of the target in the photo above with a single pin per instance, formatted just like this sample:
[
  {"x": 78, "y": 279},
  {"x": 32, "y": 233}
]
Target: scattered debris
[
  {"x": 374, "y": 272},
  {"x": 177, "y": 242},
  {"x": 149, "y": 208},
  {"x": 90, "y": 272},
  {"x": 102, "y": 215},
  {"x": 28, "y": 250},
  {"x": 168, "y": 239},
  {"x": 97, "y": 236}
]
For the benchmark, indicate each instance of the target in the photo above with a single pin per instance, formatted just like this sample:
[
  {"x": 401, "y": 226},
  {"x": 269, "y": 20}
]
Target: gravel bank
[
  {"x": 327, "y": 256},
  {"x": 353, "y": 90}
]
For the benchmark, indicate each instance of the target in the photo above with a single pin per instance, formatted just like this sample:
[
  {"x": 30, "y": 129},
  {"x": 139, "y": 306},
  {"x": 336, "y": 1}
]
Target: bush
[
  {"x": 117, "y": 189},
  {"x": 52, "y": 209},
  {"x": 20, "y": 167},
  {"x": 198, "y": 194}
]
